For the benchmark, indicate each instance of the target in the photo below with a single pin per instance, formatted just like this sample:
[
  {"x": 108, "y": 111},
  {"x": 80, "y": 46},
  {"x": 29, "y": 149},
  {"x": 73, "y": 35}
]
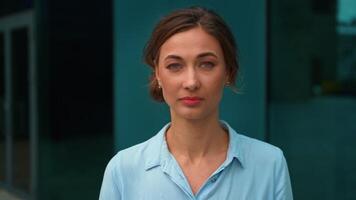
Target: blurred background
[{"x": 73, "y": 90}]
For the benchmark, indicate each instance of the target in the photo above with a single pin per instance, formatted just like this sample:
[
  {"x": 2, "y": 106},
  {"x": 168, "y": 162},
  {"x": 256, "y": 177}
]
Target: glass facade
[
  {"x": 21, "y": 128},
  {"x": 312, "y": 94},
  {"x": 2, "y": 114},
  {"x": 8, "y": 7}
]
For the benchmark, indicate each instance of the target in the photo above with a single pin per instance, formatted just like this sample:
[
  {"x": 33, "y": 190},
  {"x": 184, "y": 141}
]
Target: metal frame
[{"x": 8, "y": 23}]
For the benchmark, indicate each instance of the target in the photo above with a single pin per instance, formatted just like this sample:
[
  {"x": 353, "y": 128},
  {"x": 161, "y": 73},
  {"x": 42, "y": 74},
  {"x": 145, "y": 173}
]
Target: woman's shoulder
[
  {"x": 253, "y": 151},
  {"x": 258, "y": 146},
  {"x": 246, "y": 145},
  {"x": 135, "y": 157},
  {"x": 260, "y": 153},
  {"x": 130, "y": 155}
]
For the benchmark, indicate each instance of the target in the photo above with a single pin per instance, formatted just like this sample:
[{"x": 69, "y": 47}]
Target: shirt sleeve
[
  {"x": 110, "y": 189},
  {"x": 283, "y": 185}
]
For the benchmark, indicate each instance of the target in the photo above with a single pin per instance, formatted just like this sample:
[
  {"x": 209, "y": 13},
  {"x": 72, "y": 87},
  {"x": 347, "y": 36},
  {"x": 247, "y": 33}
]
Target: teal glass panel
[
  {"x": 2, "y": 114},
  {"x": 21, "y": 137},
  {"x": 312, "y": 94}
]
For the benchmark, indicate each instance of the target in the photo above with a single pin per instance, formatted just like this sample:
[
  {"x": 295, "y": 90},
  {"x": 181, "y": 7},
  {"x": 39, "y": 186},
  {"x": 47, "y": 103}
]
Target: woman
[{"x": 193, "y": 57}]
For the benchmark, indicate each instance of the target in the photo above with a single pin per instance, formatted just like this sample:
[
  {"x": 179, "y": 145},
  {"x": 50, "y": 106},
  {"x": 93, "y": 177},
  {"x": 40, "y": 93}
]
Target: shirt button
[{"x": 213, "y": 179}]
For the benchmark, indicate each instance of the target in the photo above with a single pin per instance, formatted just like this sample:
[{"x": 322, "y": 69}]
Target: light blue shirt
[{"x": 253, "y": 170}]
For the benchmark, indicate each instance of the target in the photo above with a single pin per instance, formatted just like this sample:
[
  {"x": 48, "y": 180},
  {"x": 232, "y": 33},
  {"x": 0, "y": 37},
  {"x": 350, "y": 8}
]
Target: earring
[
  {"x": 227, "y": 83},
  {"x": 159, "y": 85}
]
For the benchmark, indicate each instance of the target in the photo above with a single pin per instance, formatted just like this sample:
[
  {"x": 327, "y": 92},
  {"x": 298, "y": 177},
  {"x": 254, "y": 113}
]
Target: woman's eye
[
  {"x": 174, "y": 66},
  {"x": 207, "y": 65}
]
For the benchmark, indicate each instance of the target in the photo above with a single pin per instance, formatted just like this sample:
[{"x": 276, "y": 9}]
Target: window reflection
[
  {"x": 312, "y": 94},
  {"x": 21, "y": 131},
  {"x": 346, "y": 32},
  {"x": 2, "y": 91}
]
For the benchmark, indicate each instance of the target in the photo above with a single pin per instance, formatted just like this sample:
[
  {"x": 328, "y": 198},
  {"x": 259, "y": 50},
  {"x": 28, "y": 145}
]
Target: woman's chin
[{"x": 192, "y": 115}]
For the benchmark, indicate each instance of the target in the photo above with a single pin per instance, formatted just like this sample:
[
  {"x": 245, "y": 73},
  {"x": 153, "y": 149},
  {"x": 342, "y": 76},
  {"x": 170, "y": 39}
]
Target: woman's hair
[{"x": 183, "y": 20}]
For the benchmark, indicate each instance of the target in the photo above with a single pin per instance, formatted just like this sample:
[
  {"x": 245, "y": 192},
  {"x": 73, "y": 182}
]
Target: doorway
[{"x": 18, "y": 97}]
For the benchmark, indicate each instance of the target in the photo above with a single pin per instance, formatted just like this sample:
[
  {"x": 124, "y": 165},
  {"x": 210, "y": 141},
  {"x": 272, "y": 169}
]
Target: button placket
[{"x": 213, "y": 179}]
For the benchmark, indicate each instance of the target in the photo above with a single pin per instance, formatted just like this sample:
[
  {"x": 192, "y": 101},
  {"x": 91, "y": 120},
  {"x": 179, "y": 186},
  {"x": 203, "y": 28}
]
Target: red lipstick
[{"x": 191, "y": 101}]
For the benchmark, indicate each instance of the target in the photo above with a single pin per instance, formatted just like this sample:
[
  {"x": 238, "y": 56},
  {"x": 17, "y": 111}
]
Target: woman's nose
[{"x": 191, "y": 80}]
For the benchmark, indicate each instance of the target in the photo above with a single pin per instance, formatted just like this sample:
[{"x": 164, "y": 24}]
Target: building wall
[
  {"x": 8, "y": 7},
  {"x": 74, "y": 48},
  {"x": 311, "y": 112},
  {"x": 303, "y": 45}
]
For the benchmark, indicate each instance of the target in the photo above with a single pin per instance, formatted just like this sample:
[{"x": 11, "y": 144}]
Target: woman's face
[{"x": 191, "y": 71}]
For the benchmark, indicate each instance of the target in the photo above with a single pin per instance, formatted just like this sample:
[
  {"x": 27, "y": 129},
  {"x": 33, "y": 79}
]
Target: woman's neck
[{"x": 193, "y": 140}]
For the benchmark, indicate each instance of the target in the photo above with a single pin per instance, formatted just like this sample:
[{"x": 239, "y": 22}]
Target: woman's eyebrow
[
  {"x": 173, "y": 57},
  {"x": 207, "y": 54}
]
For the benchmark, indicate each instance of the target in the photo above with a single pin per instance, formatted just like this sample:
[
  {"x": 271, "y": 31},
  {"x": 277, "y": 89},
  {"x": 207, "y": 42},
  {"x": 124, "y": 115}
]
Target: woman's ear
[
  {"x": 227, "y": 77},
  {"x": 157, "y": 76},
  {"x": 157, "y": 73}
]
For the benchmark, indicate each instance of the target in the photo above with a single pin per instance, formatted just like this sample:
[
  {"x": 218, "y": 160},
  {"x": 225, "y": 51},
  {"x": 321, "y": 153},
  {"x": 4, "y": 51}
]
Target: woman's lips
[{"x": 191, "y": 101}]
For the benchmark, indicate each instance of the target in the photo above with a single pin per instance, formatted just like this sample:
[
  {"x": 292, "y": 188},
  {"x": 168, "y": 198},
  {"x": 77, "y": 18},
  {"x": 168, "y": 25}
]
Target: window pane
[
  {"x": 21, "y": 165},
  {"x": 2, "y": 91},
  {"x": 312, "y": 92}
]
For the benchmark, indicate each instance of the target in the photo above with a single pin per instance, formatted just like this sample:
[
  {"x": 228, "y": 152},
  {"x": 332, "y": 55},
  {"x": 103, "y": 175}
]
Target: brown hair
[{"x": 183, "y": 20}]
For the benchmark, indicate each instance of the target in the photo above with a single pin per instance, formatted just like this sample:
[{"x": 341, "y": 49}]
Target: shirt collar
[
  {"x": 156, "y": 152},
  {"x": 236, "y": 145}
]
